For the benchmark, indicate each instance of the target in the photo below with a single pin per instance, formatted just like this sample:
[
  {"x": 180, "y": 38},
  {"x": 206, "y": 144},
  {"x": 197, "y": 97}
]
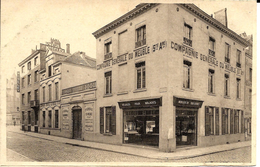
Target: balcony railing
[
  {"x": 238, "y": 65},
  {"x": 108, "y": 56},
  {"x": 211, "y": 52},
  {"x": 86, "y": 86},
  {"x": 140, "y": 43},
  {"x": 187, "y": 41},
  {"x": 34, "y": 103},
  {"x": 227, "y": 60}
]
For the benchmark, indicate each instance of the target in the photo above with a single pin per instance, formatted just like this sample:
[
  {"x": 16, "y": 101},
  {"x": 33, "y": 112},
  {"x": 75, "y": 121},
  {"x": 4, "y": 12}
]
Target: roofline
[
  {"x": 29, "y": 57},
  {"x": 204, "y": 16},
  {"x": 138, "y": 10},
  {"x": 66, "y": 62}
]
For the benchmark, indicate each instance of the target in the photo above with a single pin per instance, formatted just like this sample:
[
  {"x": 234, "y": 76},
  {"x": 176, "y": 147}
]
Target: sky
[{"x": 25, "y": 24}]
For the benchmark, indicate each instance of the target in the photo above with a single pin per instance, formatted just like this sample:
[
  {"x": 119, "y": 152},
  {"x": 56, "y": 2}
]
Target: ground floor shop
[{"x": 30, "y": 120}]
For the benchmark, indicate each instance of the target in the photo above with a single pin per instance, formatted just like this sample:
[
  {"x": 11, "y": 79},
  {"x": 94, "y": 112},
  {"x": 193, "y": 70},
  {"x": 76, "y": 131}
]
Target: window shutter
[
  {"x": 101, "y": 120},
  {"x": 217, "y": 120},
  {"x": 223, "y": 121},
  {"x": 207, "y": 123},
  {"x": 113, "y": 120}
]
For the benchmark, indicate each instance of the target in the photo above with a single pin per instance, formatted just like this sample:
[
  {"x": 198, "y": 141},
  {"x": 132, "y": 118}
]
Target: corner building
[{"x": 169, "y": 76}]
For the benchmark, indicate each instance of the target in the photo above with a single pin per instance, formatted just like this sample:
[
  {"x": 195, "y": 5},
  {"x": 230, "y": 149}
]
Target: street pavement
[{"x": 39, "y": 147}]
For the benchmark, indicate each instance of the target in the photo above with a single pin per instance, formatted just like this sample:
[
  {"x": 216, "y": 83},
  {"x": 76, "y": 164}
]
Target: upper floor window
[
  {"x": 50, "y": 93},
  {"x": 211, "y": 46},
  {"x": 211, "y": 81},
  {"x": 239, "y": 58},
  {"x": 49, "y": 71},
  {"x": 36, "y": 94},
  {"x": 29, "y": 97},
  {"x": 186, "y": 74},
  {"x": 56, "y": 90},
  {"x": 140, "y": 36},
  {"x": 187, "y": 39},
  {"x": 23, "y": 99},
  {"x": 35, "y": 76},
  {"x": 29, "y": 79},
  {"x": 238, "y": 88},
  {"x": 108, "y": 49},
  {"x": 43, "y": 94},
  {"x": 22, "y": 69},
  {"x": 35, "y": 61},
  {"x": 108, "y": 82},
  {"x": 29, "y": 65},
  {"x": 250, "y": 74},
  {"x": 226, "y": 85},
  {"x": 227, "y": 53},
  {"x": 140, "y": 75},
  {"x": 23, "y": 82}
]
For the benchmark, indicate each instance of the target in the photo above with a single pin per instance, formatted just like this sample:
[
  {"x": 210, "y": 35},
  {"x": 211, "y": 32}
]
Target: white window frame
[
  {"x": 185, "y": 77},
  {"x": 109, "y": 91},
  {"x": 143, "y": 69},
  {"x": 238, "y": 86},
  {"x": 226, "y": 86}
]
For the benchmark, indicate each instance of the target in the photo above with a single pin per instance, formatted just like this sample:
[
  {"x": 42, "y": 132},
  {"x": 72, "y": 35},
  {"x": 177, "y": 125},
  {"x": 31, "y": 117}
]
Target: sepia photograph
[{"x": 128, "y": 83}]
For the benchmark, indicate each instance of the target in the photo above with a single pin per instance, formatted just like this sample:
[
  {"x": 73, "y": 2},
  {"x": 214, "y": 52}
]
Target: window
[
  {"x": 231, "y": 121},
  {"x": 239, "y": 58},
  {"x": 108, "y": 120},
  {"x": 29, "y": 117},
  {"x": 211, "y": 46},
  {"x": 211, "y": 81},
  {"x": 36, "y": 94},
  {"x": 224, "y": 121},
  {"x": 238, "y": 88},
  {"x": 250, "y": 99},
  {"x": 23, "y": 117},
  {"x": 22, "y": 69},
  {"x": 29, "y": 65},
  {"x": 35, "y": 76},
  {"x": 43, "y": 119},
  {"x": 23, "y": 99},
  {"x": 43, "y": 94},
  {"x": 56, "y": 91},
  {"x": 122, "y": 42},
  {"x": 209, "y": 128},
  {"x": 226, "y": 85},
  {"x": 140, "y": 75},
  {"x": 49, "y": 119},
  {"x": 49, "y": 71},
  {"x": 242, "y": 121},
  {"x": 227, "y": 53},
  {"x": 35, "y": 61},
  {"x": 23, "y": 82},
  {"x": 108, "y": 81},
  {"x": 187, "y": 39},
  {"x": 217, "y": 121},
  {"x": 29, "y": 97},
  {"x": 50, "y": 93},
  {"x": 108, "y": 49},
  {"x": 29, "y": 79},
  {"x": 140, "y": 36},
  {"x": 56, "y": 118},
  {"x": 186, "y": 74},
  {"x": 250, "y": 74},
  {"x": 236, "y": 124}
]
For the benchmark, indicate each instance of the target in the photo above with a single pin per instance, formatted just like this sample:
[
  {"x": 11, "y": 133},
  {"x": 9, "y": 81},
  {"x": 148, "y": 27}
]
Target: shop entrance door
[
  {"x": 76, "y": 118},
  {"x": 186, "y": 127}
]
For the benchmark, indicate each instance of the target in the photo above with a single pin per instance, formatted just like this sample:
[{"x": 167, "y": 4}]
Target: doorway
[
  {"x": 77, "y": 122},
  {"x": 186, "y": 127}
]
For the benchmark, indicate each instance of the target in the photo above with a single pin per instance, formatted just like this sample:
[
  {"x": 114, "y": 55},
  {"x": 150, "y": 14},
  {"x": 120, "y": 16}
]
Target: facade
[
  {"x": 13, "y": 102},
  {"x": 169, "y": 76},
  {"x": 62, "y": 71}
]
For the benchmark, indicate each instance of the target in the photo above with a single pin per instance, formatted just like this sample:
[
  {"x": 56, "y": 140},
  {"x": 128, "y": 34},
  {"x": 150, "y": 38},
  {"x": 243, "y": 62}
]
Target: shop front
[
  {"x": 141, "y": 121},
  {"x": 186, "y": 121}
]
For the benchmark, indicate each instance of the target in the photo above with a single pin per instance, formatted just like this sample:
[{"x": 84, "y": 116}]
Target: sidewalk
[{"x": 138, "y": 151}]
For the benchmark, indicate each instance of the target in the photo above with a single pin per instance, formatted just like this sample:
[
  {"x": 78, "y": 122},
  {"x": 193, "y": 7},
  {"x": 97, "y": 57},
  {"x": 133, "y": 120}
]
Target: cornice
[
  {"x": 140, "y": 9},
  {"x": 204, "y": 16},
  {"x": 29, "y": 57}
]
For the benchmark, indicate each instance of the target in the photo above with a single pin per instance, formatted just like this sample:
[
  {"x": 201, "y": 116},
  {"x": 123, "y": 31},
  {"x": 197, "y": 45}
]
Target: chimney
[
  {"x": 67, "y": 48},
  {"x": 221, "y": 16}
]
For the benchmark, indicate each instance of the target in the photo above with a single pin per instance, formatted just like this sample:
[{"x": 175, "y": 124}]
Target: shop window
[
  {"x": 231, "y": 121},
  {"x": 224, "y": 121},
  {"x": 227, "y": 53},
  {"x": 29, "y": 117},
  {"x": 209, "y": 121},
  {"x": 140, "y": 36},
  {"x": 23, "y": 99},
  {"x": 211, "y": 81},
  {"x": 35, "y": 76},
  {"x": 236, "y": 124},
  {"x": 108, "y": 82},
  {"x": 238, "y": 88},
  {"x": 226, "y": 85},
  {"x": 187, "y": 39},
  {"x": 186, "y": 74},
  {"x": 108, "y": 49},
  {"x": 29, "y": 65},
  {"x": 140, "y": 75},
  {"x": 56, "y": 118},
  {"x": 49, "y": 119},
  {"x": 43, "y": 119},
  {"x": 29, "y": 97},
  {"x": 56, "y": 91},
  {"x": 43, "y": 94},
  {"x": 238, "y": 58},
  {"x": 242, "y": 122},
  {"x": 217, "y": 121},
  {"x": 211, "y": 46},
  {"x": 23, "y": 117},
  {"x": 50, "y": 94},
  {"x": 29, "y": 79},
  {"x": 108, "y": 120}
]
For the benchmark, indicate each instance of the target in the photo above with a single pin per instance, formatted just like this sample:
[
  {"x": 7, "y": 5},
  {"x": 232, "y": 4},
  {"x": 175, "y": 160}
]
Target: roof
[
  {"x": 29, "y": 57},
  {"x": 81, "y": 58},
  {"x": 61, "y": 53}
]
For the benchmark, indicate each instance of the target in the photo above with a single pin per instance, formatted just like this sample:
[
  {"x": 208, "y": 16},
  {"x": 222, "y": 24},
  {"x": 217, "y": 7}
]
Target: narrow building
[{"x": 169, "y": 76}]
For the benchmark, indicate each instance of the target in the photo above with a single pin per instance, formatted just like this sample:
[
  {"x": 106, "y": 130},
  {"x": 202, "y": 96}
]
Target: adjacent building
[{"x": 169, "y": 76}]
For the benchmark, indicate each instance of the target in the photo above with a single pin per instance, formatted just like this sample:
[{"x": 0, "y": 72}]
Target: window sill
[
  {"x": 107, "y": 134},
  {"x": 211, "y": 94},
  {"x": 140, "y": 90},
  {"x": 239, "y": 99},
  {"x": 139, "y": 47},
  {"x": 122, "y": 93},
  {"x": 227, "y": 97},
  {"x": 189, "y": 90},
  {"x": 108, "y": 95}
]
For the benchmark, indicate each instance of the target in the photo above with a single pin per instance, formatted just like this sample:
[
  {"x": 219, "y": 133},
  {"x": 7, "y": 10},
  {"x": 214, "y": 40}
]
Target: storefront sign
[
  {"x": 141, "y": 103},
  {"x": 182, "y": 102}
]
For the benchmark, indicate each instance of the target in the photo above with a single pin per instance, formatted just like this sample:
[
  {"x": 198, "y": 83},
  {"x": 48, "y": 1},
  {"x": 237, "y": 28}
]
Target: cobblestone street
[{"x": 36, "y": 149}]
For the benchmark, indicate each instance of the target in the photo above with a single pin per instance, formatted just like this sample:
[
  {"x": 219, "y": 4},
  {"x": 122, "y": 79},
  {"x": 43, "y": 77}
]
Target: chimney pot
[{"x": 68, "y": 48}]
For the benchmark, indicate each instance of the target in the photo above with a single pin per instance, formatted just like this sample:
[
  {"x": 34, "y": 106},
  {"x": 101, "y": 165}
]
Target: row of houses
[{"x": 165, "y": 76}]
